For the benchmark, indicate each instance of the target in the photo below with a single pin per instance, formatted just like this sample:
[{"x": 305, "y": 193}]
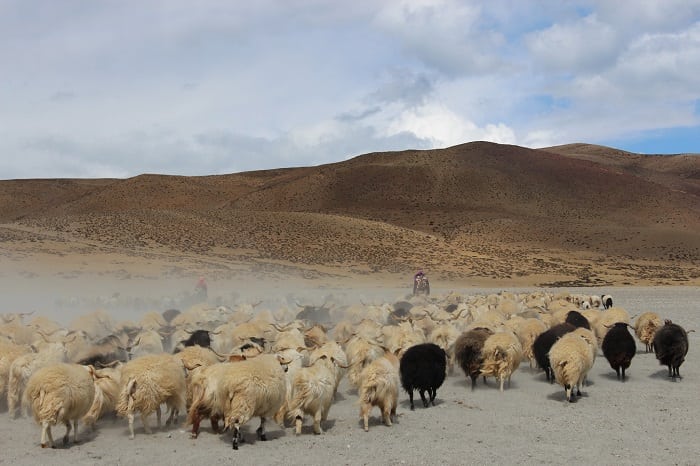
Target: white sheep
[
  {"x": 571, "y": 357},
  {"x": 60, "y": 393},
  {"x": 8, "y": 353},
  {"x": 379, "y": 386},
  {"x": 146, "y": 342},
  {"x": 502, "y": 353},
  {"x": 527, "y": 331},
  {"x": 645, "y": 328},
  {"x": 107, "y": 387},
  {"x": 360, "y": 352},
  {"x": 146, "y": 383},
  {"x": 25, "y": 365},
  {"x": 607, "y": 319},
  {"x": 255, "y": 387},
  {"x": 312, "y": 393}
]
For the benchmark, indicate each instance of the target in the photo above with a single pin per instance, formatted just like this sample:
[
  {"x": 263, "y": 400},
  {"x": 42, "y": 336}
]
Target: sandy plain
[{"x": 649, "y": 419}]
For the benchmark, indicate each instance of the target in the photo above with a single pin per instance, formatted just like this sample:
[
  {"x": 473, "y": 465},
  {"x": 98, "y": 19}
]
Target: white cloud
[
  {"x": 442, "y": 127},
  {"x": 127, "y": 87},
  {"x": 583, "y": 45}
]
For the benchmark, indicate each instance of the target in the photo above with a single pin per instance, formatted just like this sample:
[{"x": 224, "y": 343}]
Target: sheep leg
[
  {"x": 146, "y": 427},
  {"x": 196, "y": 420},
  {"x": 298, "y": 421},
  {"x": 474, "y": 377},
  {"x": 46, "y": 433},
  {"x": 261, "y": 430},
  {"x": 66, "y": 438},
  {"x": 569, "y": 395},
  {"x": 364, "y": 413},
  {"x": 158, "y": 415},
  {"x": 236, "y": 436},
  {"x": 317, "y": 423},
  {"x": 410, "y": 397},
  {"x": 623, "y": 373},
  {"x": 130, "y": 417},
  {"x": 214, "y": 420},
  {"x": 386, "y": 414},
  {"x": 502, "y": 380},
  {"x": 172, "y": 419},
  {"x": 422, "y": 397},
  {"x": 433, "y": 394}
]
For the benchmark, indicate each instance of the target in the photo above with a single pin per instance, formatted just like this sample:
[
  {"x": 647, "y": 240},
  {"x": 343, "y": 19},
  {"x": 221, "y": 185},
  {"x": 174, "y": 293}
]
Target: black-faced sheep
[
  {"x": 619, "y": 348},
  {"x": 544, "y": 342},
  {"x": 60, "y": 393},
  {"x": 468, "y": 351},
  {"x": 607, "y": 301},
  {"x": 423, "y": 367},
  {"x": 671, "y": 347}
]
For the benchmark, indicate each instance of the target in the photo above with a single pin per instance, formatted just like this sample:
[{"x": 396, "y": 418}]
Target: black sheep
[
  {"x": 468, "y": 351},
  {"x": 671, "y": 346},
  {"x": 577, "y": 319},
  {"x": 423, "y": 368},
  {"x": 544, "y": 342},
  {"x": 619, "y": 348},
  {"x": 198, "y": 338}
]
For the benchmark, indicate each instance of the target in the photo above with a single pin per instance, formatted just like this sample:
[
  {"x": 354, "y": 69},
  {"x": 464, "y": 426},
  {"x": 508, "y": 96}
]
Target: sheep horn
[
  {"x": 280, "y": 329},
  {"x": 191, "y": 368},
  {"x": 111, "y": 364},
  {"x": 335, "y": 361},
  {"x": 215, "y": 333},
  {"x": 44, "y": 336},
  {"x": 352, "y": 335},
  {"x": 459, "y": 314},
  {"x": 220, "y": 356},
  {"x": 284, "y": 361}
]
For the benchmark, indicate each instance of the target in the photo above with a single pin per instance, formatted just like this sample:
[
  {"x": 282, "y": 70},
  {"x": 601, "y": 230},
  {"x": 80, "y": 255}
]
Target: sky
[{"x": 117, "y": 88}]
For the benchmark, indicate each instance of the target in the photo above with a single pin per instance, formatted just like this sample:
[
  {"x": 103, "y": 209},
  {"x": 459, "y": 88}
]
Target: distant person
[
  {"x": 421, "y": 285},
  {"x": 200, "y": 289}
]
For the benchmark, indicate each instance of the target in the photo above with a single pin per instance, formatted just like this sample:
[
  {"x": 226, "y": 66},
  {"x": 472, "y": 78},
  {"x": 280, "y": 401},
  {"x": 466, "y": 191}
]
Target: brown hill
[{"x": 479, "y": 211}]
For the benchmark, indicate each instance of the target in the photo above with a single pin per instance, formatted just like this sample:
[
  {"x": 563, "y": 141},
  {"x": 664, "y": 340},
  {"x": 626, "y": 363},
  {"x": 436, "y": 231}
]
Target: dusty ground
[{"x": 647, "y": 420}]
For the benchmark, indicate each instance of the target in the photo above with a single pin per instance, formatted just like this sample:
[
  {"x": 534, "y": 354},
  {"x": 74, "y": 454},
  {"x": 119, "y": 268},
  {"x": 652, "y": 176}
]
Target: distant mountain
[{"x": 476, "y": 209}]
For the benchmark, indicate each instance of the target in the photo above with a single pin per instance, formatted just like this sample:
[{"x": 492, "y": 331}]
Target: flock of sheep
[{"x": 231, "y": 365}]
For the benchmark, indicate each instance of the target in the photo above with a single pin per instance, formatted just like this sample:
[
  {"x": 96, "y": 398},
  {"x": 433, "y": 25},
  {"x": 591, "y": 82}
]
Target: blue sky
[{"x": 97, "y": 88}]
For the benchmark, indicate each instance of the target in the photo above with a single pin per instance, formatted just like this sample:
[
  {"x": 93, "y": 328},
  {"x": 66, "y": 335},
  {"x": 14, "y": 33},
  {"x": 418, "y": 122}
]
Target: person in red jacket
[{"x": 200, "y": 289}]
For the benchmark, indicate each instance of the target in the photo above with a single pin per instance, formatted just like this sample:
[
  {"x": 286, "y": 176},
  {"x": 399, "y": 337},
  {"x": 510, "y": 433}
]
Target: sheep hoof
[{"x": 43, "y": 445}]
